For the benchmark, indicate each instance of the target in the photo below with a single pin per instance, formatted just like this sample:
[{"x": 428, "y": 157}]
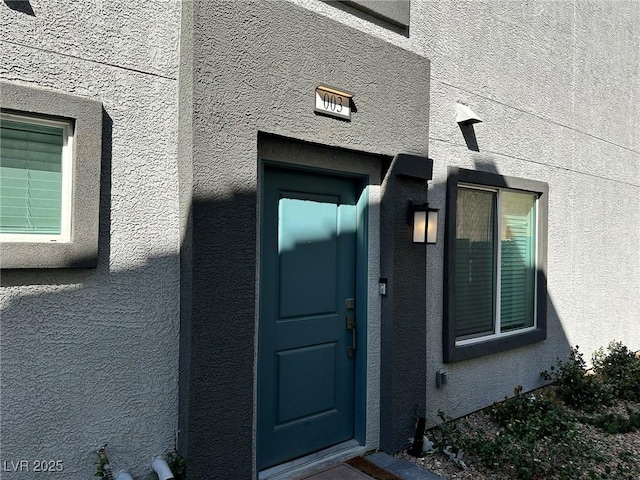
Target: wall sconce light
[
  {"x": 424, "y": 221},
  {"x": 466, "y": 116}
]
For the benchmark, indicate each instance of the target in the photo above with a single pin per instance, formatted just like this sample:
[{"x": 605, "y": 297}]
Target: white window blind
[
  {"x": 517, "y": 270},
  {"x": 475, "y": 265},
  {"x": 32, "y": 178},
  {"x": 494, "y": 262}
]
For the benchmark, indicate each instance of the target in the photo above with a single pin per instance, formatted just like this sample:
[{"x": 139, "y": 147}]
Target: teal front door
[{"x": 306, "y": 365}]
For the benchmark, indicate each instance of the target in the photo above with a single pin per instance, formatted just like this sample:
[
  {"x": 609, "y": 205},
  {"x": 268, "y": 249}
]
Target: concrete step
[{"x": 385, "y": 467}]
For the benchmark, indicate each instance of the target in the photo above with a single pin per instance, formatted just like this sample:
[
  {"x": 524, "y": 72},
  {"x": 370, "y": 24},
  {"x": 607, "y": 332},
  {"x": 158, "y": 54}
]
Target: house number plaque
[{"x": 333, "y": 102}]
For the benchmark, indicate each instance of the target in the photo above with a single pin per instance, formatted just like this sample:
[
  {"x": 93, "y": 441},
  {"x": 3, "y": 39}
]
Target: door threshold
[{"x": 314, "y": 462}]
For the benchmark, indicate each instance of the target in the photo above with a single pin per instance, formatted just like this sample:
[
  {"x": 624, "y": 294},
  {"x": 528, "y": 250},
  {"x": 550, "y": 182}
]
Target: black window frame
[{"x": 451, "y": 351}]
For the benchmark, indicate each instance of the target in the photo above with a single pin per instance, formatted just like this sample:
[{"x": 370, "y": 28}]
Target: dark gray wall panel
[
  {"x": 403, "y": 336},
  {"x": 253, "y": 67}
]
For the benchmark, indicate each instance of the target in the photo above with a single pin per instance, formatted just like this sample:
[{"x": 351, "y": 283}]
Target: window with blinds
[
  {"x": 35, "y": 179},
  {"x": 475, "y": 263},
  {"x": 494, "y": 284},
  {"x": 517, "y": 260}
]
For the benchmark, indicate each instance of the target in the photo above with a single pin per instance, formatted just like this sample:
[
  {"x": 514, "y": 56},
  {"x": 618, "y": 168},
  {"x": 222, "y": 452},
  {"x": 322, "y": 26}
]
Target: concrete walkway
[
  {"x": 400, "y": 468},
  {"x": 341, "y": 472},
  {"x": 403, "y": 469}
]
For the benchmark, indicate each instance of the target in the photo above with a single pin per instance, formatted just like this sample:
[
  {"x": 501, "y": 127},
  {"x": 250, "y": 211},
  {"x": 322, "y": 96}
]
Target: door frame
[{"x": 361, "y": 277}]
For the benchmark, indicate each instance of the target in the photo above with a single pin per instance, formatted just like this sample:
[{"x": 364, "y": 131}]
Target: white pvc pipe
[
  {"x": 162, "y": 469},
  {"x": 123, "y": 476}
]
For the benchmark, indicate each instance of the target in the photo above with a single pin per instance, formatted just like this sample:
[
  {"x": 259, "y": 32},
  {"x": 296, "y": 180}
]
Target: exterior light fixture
[
  {"x": 424, "y": 221},
  {"x": 466, "y": 116}
]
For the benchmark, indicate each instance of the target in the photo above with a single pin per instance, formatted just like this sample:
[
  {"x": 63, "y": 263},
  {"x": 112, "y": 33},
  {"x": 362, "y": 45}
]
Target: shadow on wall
[
  {"x": 90, "y": 356},
  {"x": 90, "y": 361},
  {"x": 22, "y": 6},
  {"x": 469, "y": 135},
  {"x": 66, "y": 350},
  {"x": 362, "y": 13},
  {"x": 217, "y": 341}
]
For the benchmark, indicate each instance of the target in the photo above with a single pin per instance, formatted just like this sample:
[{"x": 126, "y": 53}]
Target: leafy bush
[
  {"x": 447, "y": 435},
  {"x": 614, "y": 423},
  {"x": 576, "y": 387},
  {"x": 521, "y": 410},
  {"x": 537, "y": 438},
  {"x": 619, "y": 368}
]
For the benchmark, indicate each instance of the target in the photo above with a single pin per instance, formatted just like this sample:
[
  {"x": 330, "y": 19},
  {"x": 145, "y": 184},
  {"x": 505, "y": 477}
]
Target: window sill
[
  {"x": 49, "y": 255},
  {"x": 454, "y": 353}
]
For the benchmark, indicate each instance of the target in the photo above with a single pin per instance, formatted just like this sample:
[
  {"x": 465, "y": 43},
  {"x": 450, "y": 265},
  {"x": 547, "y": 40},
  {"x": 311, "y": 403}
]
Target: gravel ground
[{"x": 613, "y": 445}]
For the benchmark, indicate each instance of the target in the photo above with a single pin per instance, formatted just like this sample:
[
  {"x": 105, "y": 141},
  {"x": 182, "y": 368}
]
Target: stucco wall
[
  {"x": 558, "y": 87},
  {"x": 255, "y": 66},
  {"x": 90, "y": 356}
]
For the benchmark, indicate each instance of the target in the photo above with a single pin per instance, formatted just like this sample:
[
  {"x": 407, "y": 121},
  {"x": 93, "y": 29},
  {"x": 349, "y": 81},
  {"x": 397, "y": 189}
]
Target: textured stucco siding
[
  {"x": 90, "y": 356},
  {"x": 558, "y": 87},
  {"x": 255, "y": 66}
]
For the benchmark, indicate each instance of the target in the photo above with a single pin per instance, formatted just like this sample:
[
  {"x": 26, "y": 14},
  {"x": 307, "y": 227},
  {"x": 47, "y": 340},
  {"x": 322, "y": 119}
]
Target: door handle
[{"x": 351, "y": 325}]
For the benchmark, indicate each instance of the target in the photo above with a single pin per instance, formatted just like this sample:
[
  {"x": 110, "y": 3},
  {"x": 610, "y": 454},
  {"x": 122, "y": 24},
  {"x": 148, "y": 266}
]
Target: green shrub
[
  {"x": 615, "y": 423},
  {"x": 576, "y": 387},
  {"x": 537, "y": 438},
  {"x": 619, "y": 367},
  {"x": 627, "y": 467},
  {"x": 538, "y": 413},
  {"x": 448, "y": 435}
]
